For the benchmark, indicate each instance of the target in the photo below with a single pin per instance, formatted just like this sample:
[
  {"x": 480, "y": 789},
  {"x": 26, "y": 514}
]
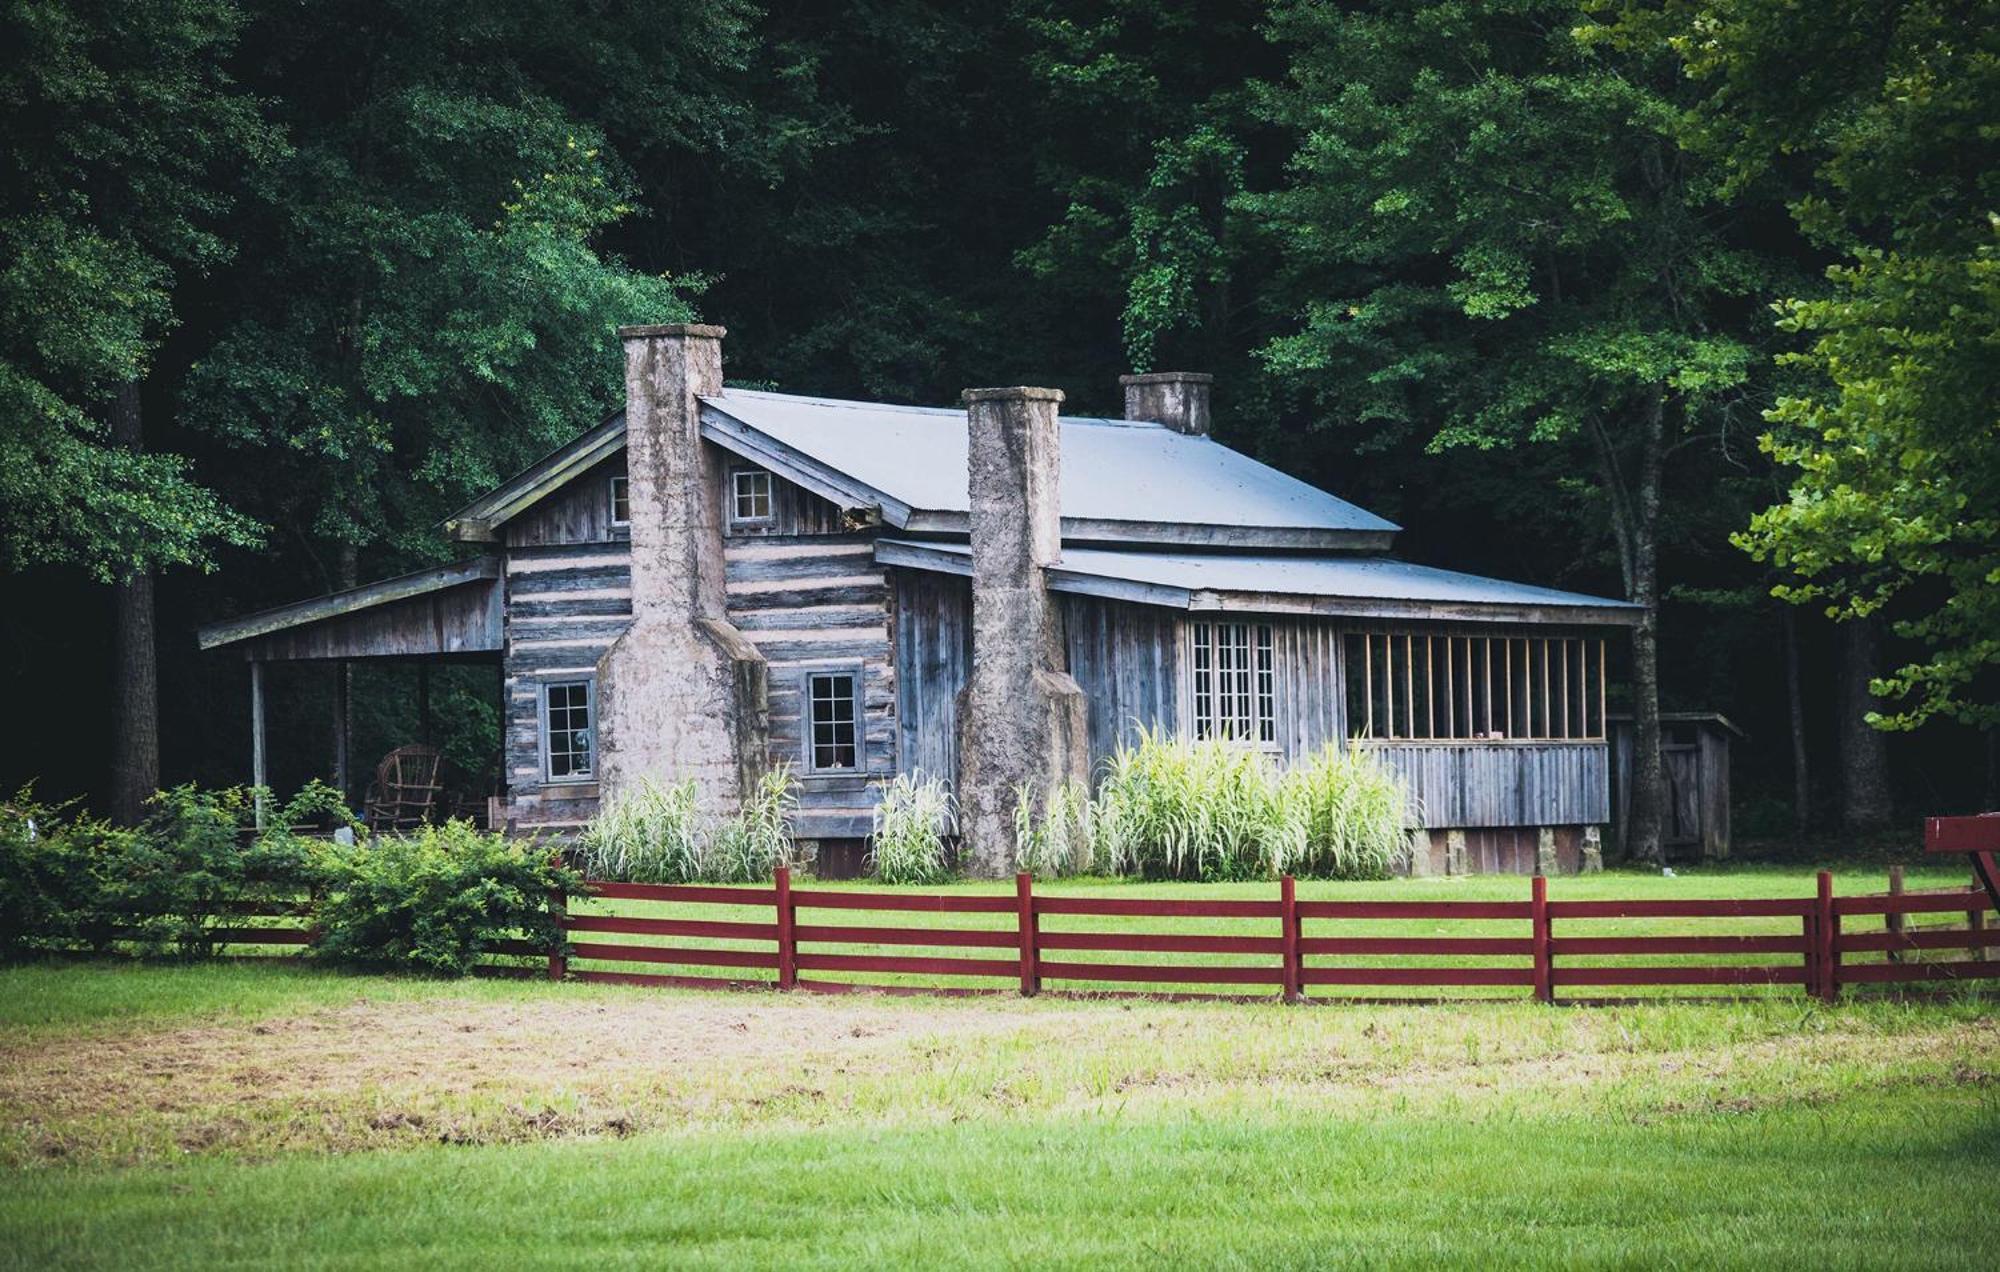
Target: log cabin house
[{"x": 715, "y": 580}]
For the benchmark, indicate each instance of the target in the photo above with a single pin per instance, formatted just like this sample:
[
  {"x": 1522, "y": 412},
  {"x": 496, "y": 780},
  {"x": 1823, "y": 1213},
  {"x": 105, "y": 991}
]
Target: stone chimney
[
  {"x": 681, "y": 694},
  {"x": 1177, "y": 399},
  {"x": 1021, "y": 718}
]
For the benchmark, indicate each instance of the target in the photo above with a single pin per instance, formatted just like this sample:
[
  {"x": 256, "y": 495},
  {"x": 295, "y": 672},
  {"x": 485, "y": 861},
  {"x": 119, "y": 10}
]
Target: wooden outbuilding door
[{"x": 1684, "y": 795}]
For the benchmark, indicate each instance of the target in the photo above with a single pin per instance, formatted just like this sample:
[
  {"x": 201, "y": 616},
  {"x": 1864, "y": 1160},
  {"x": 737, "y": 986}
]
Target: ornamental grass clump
[
  {"x": 1057, "y": 836},
  {"x": 912, "y": 819},
  {"x": 748, "y": 846},
  {"x": 650, "y": 834},
  {"x": 1351, "y": 807},
  {"x": 1170, "y": 808},
  {"x": 656, "y": 834}
]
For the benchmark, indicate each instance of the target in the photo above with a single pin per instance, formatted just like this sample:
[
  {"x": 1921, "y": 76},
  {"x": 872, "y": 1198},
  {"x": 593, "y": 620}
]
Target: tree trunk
[
  {"x": 1864, "y": 754},
  {"x": 1646, "y": 825},
  {"x": 1796, "y": 702},
  {"x": 135, "y": 726}
]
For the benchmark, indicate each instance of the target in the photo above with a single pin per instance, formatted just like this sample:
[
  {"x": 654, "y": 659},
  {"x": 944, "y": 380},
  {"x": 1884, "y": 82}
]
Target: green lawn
[{"x": 265, "y": 1114}]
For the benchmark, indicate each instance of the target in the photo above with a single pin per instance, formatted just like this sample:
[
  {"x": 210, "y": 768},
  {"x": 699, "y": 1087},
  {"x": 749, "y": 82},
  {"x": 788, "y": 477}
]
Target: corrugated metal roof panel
[
  {"x": 1235, "y": 580},
  {"x": 1112, "y": 470}
]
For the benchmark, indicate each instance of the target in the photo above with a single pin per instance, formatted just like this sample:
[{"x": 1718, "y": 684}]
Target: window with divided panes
[
  {"x": 832, "y": 719},
  {"x": 749, "y": 497},
  {"x": 567, "y": 731},
  {"x": 1233, "y": 688}
]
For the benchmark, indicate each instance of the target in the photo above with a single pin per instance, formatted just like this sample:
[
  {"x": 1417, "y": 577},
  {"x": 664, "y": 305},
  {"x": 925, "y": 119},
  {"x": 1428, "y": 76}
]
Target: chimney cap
[
  {"x": 1168, "y": 377},
  {"x": 673, "y": 330},
  {"x": 1017, "y": 392}
]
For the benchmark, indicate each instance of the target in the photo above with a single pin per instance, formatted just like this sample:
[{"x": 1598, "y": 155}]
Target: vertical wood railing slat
[
  {"x": 1288, "y": 897},
  {"x": 1827, "y": 924},
  {"x": 1027, "y": 930},
  {"x": 559, "y": 907},
  {"x": 1545, "y": 983},
  {"x": 788, "y": 952},
  {"x": 1893, "y": 920}
]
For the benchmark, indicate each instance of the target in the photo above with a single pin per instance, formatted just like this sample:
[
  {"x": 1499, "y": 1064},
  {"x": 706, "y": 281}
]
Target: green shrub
[
  {"x": 198, "y": 858},
  {"x": 912, "y": 818},
  {"x": 54, "y": 863},
  {"x": 436, "y": 899},
  {"x": 1351, "y": 805},
  {"x": 660, "y": 835}
]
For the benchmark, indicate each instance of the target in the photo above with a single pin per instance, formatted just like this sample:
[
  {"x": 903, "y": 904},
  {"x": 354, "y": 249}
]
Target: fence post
[
  {"x": 1826, "y": 926},
  {"x": 788, "y": 953},
  {"x": 1538, "y": 913},
  {"x": 558, "y": 960},
  {"x": 1028, "y": 928},
  {"x": 1288, "y": 901},
  {"x": 1892, "y": 922}
]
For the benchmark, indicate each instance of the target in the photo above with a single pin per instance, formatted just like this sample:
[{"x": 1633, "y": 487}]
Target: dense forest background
[{"x": 1685, "y": 301}]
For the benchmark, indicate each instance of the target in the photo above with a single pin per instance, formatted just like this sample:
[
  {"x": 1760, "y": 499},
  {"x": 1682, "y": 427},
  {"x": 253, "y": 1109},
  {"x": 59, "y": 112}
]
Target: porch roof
[
  {"x": 443, "y": 611},
  {"x": 1348, "y": 586}
]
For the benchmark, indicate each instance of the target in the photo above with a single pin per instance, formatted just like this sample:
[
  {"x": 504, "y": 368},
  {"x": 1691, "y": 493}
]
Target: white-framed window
[
  {"x": 621, "y": 502},
  {"x": 833, "y": 720},
  {"x": 749, "y": 498},
  {"x": 1234, "y": 694},
  {"x": 569, "y": 731}
]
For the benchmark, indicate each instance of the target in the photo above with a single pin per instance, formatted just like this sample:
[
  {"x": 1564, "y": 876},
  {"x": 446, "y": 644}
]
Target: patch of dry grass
[{"x": 455, "y": 1066}]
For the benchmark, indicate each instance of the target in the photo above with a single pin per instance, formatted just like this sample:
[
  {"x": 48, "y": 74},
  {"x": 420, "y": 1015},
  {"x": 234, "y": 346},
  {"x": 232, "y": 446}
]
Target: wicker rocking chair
[{"x": 407, "y": 789}]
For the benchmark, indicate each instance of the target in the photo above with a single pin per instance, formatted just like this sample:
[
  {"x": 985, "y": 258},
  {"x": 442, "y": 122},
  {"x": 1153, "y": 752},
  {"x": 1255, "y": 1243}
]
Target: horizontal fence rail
[{"x": 814, "y": 939}]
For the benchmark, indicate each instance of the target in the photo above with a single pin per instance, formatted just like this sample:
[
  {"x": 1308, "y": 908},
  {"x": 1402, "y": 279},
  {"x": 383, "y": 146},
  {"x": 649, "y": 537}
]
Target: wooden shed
[{"x": 1694, "y": 746}]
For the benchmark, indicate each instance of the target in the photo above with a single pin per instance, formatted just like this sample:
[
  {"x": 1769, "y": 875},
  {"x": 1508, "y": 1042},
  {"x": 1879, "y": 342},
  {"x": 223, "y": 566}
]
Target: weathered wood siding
[
  {"x": 794, "y": 510},
  {"x": 933, "y": 655},
  {"x": 1127, "y": 658},
  {"x": 819, "y": 602},
  {"x": 578, "y": 513},
  {"x": 565, "y": 606},
  {"x": 458, "y": 620},
  {"x": 1502, "y": 784}
]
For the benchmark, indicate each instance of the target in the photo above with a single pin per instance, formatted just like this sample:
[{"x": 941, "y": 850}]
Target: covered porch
[{"x": 444, "y": 616}]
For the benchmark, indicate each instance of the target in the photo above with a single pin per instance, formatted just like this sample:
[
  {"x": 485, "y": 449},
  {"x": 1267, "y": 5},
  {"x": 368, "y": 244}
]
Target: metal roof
[
  {"x": 1121, "y": 480},
  {"x": 1114, "y": 472},
  {"x": 1364, "y": 587}
]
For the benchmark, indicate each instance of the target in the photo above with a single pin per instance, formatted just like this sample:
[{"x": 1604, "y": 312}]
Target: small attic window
[
  {"x": 749, "y": 498},
  {"x": 621, "y": 502}
]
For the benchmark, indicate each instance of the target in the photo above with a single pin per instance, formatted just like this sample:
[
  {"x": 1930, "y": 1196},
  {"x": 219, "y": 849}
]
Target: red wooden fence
[{"x": 1538, "y": 953}]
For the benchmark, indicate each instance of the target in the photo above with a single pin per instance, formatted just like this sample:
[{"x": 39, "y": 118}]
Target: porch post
[
  {"x": 424, "y": 703},
  {"x": 340, "y": 728},
  {"x": 258, "y": 776}
]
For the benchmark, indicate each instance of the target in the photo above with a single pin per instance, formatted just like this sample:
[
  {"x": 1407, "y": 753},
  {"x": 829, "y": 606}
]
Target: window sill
[{"x": 563, "y": 788}]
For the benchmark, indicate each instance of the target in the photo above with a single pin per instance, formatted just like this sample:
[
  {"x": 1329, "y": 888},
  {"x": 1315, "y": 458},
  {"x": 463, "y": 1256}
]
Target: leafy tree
[
  {"x": 125, "y": 139},
  {"x": 1491, "y": 240},
  {"x": 1887, "y": 117},
  {"x": 125, "y": 142},
  {"x": 426, "y": 307}
]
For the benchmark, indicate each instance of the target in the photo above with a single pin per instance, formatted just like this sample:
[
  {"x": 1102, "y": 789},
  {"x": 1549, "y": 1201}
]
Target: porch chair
[{"x": 406, "y": 790}]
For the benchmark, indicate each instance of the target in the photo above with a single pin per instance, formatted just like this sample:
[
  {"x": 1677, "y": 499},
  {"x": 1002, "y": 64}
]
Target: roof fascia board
[
  {"x": 1082, "y": 531},
  {"x": 1119, "y": 589},
  {"x": 740, "y": 439},
  {"x": 335, "y": 604},
  {"x": 917, "y": 556},
  {"x": 1424, "y": 611},
  {"x": 477, "y": 521}
]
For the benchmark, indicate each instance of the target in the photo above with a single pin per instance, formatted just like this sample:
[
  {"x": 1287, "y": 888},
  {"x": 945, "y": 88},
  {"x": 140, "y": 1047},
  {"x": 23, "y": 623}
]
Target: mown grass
[
  {"x": 948, "y": 1133},
  {"x": 1886, "y": 1181}
]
